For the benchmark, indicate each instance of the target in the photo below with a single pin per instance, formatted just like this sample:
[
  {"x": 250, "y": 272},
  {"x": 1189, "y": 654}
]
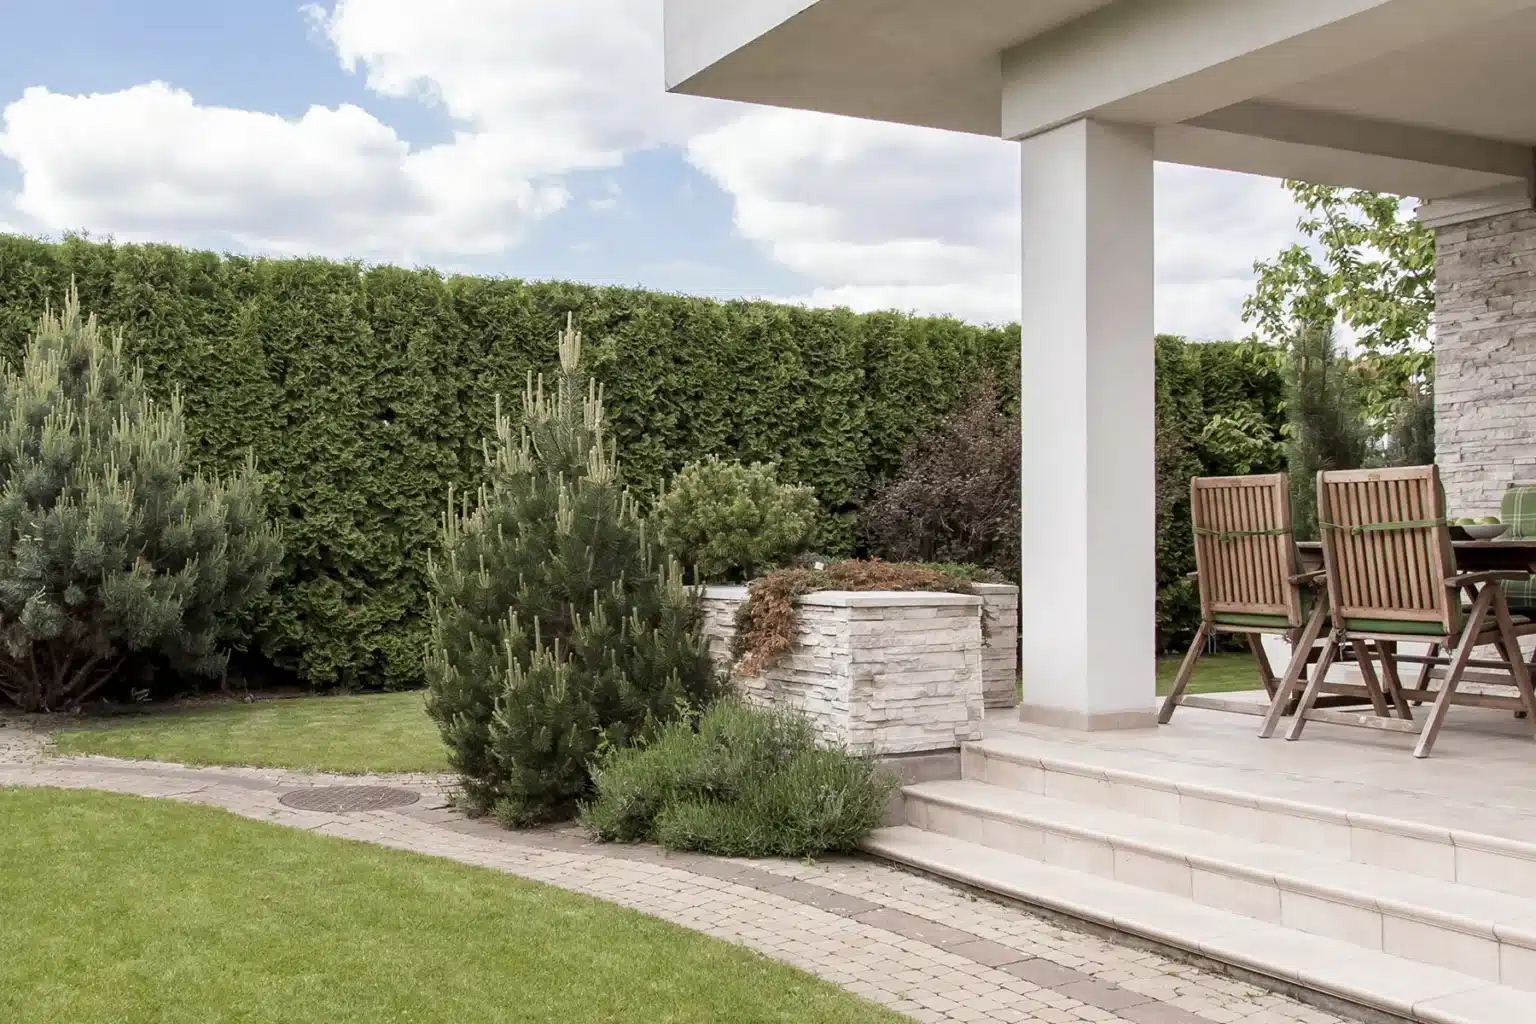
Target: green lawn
[
  {"x": 122, "y": 910},
  {"x": 386, "y": 732},
  {"x": 1214, "y": 673}
]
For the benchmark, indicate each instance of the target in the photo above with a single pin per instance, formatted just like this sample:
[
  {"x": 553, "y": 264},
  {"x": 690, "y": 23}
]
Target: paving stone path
[{"x": 926, "y": 949}]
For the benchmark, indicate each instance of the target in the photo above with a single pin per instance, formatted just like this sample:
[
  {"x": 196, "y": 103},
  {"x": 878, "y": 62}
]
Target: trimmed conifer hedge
[{"x": 364, "y": 393}]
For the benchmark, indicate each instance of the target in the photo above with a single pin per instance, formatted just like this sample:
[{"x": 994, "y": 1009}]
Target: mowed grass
[
  {"x": 385, "y": 732},
  {"x": 123, "y": 910},
  {"x": 1214, "y": 673}
]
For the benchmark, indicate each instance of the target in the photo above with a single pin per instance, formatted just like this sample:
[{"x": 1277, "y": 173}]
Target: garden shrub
[
  {"x": 1240, "y": 387},
  {"x": 364, "y": 393},
  {"x": 109, "y": 548},
  {"x": 556, "y": 628},
  {"x": 725, "y": 520},
  {"x": 959, "y": 570},
  {"x": 956, "y": 498},
  {"x": 741, "y": 782},
  {"x": 768, "y": 621}
]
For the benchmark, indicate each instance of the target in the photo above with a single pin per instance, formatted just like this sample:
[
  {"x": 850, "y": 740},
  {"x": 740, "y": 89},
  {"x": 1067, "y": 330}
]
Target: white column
[{"x": 1086, "y": 398}]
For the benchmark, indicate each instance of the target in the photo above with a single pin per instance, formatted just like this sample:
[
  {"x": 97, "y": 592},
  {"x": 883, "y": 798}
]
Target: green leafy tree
[
  {"x": 1326, "y": 427},
  {"x": 727, "y": 521},
  {"x": 1411, "y": 438},
  {"x": 556, "y": 629},
  {"x": 1371, "y": 266},
  {"x": 109, "y": 548}
]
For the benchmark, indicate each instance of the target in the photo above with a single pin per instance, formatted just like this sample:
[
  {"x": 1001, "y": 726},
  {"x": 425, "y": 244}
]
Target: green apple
[
  {"x": 1488, "y": 521},
  {"x": 1466, "y": 522}
]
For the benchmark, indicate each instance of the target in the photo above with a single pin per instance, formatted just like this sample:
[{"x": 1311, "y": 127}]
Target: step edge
[
  {"x": 1480, "y": 841},
  {"x": 1513, "y": 928},
  {"x": 1211, "y": 948}
]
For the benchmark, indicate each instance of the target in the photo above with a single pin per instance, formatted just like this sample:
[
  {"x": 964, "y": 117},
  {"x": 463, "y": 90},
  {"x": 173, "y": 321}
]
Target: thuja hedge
[{"x": 364, "y": 393}]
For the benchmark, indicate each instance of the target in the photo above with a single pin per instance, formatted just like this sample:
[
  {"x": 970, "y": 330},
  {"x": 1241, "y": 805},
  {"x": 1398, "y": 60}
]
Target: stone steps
[
  {"x": 1390, "y": 984},
  {"x": 1446, "y": 854},
  {"x": 1478, "y": 932},
  {"x": 1422, "y": 921}
]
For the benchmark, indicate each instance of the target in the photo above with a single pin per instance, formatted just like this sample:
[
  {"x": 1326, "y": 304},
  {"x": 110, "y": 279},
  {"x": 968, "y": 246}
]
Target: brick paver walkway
[{"x": 919, "y": 946}]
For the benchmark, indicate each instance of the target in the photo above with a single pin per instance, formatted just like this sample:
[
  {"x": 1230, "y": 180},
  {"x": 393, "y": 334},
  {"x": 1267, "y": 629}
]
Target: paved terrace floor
[{"x": 926, "y": 949}]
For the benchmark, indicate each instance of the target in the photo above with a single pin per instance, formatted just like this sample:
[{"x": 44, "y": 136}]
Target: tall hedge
[
  {"x": 1238, "y": 386},
  {"x": 364, "y": 391}
]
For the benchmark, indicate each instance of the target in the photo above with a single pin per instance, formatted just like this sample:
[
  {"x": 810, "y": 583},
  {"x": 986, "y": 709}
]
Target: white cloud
[
  {"x": 1211, "y": 227},
  {"x": 870, "y": 215},
  {"x": 889, "y": 216},
  {"x": 149, "y": 162},
  {"x": 879, "y": 215}
]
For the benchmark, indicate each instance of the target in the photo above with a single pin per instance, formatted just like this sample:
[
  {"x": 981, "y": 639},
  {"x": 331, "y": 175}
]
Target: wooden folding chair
[
  {"x": 1392, "y": 578},
  {"x": 1250, "y": 583}
]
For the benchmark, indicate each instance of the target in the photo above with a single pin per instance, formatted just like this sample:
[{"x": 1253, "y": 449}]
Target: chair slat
[
  {"x": 1245, "y": 563},
  {"x": 1391, "y": 574}
]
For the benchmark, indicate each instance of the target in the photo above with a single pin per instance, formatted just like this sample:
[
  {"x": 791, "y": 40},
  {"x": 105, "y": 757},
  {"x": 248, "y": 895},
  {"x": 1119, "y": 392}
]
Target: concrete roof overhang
[{"x": 1420, "y": 97}]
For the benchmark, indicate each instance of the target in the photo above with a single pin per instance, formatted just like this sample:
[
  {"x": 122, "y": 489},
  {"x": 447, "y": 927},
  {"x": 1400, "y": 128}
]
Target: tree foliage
[
  {"x": 556, "y": 630},
  {"x": 109, "y": 547},
  {"x": 365, "y": 392},
  {"x": 956, "y": 498},
  {"x": 1370, "y": 265},
  {"x": 1325, "y": 419},
  {"x": 726, "y": 521},
  {"x": 1219, "y": 413}
]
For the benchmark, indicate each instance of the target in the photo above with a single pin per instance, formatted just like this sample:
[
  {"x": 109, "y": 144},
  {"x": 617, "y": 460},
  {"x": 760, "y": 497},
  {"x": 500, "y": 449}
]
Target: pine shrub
[
  {"x": 1326, "y": 427},
  {"x": 109, "y": 548},
  {"x": 741, "y": 782},
  {"x": 556, "y": 627},
  {"x": 726, "y": 521}
]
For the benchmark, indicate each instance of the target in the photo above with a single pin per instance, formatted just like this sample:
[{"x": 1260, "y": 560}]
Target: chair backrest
[
  {"x": 1244, "y": 548},
  {"x": 1387, "y": 548}
]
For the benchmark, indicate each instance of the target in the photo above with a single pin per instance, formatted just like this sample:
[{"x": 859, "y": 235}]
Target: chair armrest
[
  {"x": 1470, "y": 579},
  {"x": 1314, "y": 577}
]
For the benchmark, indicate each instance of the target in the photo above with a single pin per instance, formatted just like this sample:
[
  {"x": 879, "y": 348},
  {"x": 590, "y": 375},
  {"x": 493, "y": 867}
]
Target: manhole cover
[{"x": 340, "y": 799}]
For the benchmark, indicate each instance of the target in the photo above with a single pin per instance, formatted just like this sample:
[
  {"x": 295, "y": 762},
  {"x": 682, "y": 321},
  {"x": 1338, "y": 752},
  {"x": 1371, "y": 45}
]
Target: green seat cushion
[
  {"x": 1265, "y": 621},
  {"x": 1394, "y": 626},
  {"x": 1410, "y": 627}
]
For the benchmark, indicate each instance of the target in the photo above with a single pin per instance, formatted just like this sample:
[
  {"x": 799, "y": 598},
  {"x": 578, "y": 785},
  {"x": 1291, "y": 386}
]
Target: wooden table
[{"x": 1471, "y": 555}]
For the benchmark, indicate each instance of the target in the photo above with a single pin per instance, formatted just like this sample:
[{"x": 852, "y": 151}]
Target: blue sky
[
  {"x": 670, "y": 227},
  {"x": 531, "y": 138}
]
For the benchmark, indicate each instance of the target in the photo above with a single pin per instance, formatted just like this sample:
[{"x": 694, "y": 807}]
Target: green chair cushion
[
  {"x": 1408, "y": 626},
  {"x": 1518, "y": 510},
  {"x": 1265, "y": 621},
  {"x": 1521, "y": 595},
  {"x": 1394, "y": 626}
]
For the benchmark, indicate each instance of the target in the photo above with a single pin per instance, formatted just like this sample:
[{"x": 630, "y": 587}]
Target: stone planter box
[
  {"x": 882, "y": 672},
  {"x": 1000, "y": 655}
]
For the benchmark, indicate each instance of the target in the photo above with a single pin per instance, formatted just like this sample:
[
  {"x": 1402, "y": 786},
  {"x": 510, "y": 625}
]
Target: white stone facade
[
  {"x": 1485, "y": 359},
  {"x": 883, "y": 672},
  {"x": 1000, "y": 651}
]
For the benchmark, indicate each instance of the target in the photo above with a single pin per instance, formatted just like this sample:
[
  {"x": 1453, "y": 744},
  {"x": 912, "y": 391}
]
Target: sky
[{"x": 534, "y": 139}]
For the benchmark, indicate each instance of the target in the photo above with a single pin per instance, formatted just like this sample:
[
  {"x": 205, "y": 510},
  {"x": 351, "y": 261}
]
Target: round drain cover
[{"x": 340, "y": 799}]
